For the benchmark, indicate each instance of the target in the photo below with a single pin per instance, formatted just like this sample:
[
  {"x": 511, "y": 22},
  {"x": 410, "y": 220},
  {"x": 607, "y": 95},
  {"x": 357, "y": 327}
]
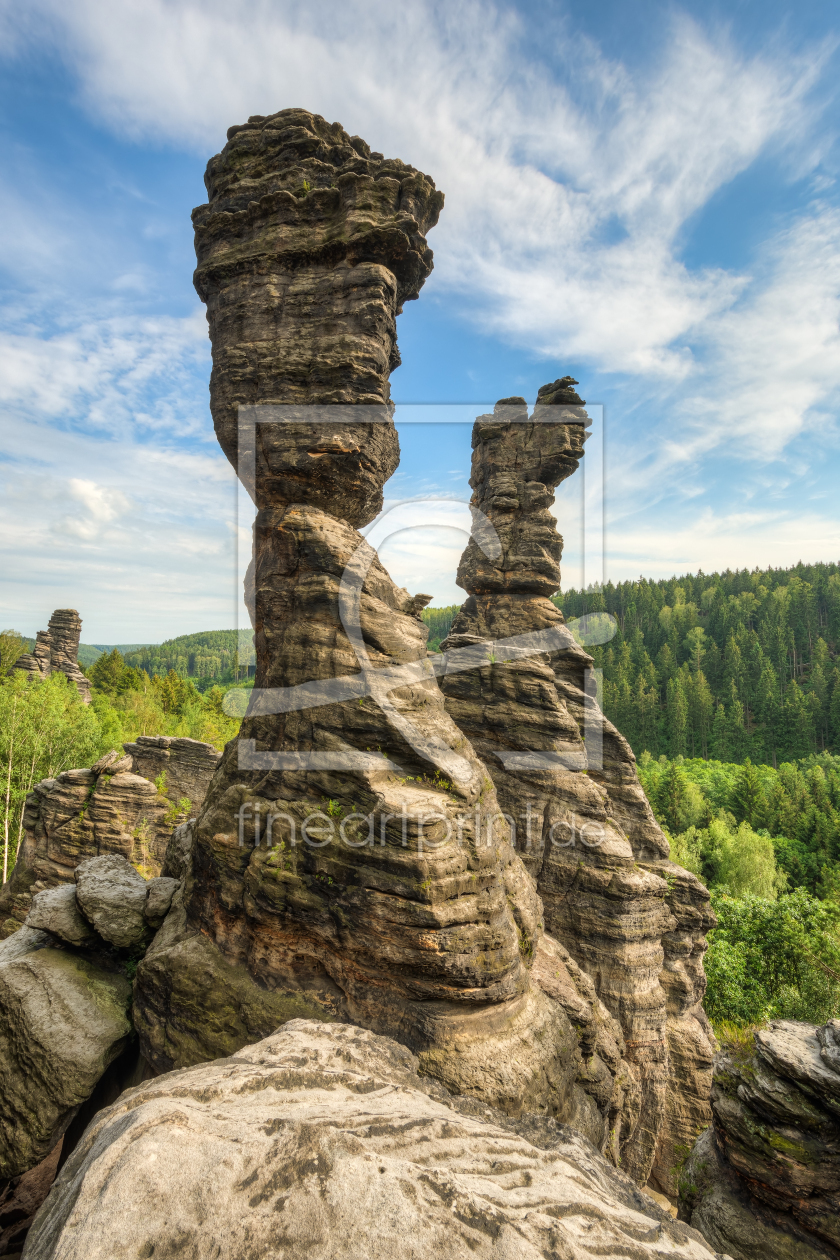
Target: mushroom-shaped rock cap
[
  {"x": 561, "y": 393},
  {"x": 308, "y": 247}
]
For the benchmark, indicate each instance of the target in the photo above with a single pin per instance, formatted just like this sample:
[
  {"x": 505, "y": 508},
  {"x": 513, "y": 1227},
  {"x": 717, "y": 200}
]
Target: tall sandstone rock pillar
[
  {"x": 56, "y": 650},
  {"x": 632, "y": 920},
  {"x": 349, "y": 861}
]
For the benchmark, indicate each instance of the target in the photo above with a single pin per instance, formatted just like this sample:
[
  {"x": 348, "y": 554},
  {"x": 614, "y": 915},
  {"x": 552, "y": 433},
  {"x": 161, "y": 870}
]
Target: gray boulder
[
  {"x": 112, "y": 896},
  {"x": 159, "y": 894},
  {"x": 323, "y": 1141},
  {"x": 63, "y": 1020},
  {"x": 56, "y": 910}
]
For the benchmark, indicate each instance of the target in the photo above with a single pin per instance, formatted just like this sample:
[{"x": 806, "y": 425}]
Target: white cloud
[
  {"x": 541, "y": 163},
  {"x": 570, "y": 182}
]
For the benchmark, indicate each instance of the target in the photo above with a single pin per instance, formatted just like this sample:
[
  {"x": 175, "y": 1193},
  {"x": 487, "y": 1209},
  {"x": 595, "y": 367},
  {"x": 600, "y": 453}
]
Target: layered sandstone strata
[
  {"x": 582, "y": 824},
  {"x": 82, "y": 814},
  {"x": 350, "y": 860},
  {"x": 764, "y": 1179},
  {"x": 183, "y": 767},
  {"x": 56, "y": 650}
]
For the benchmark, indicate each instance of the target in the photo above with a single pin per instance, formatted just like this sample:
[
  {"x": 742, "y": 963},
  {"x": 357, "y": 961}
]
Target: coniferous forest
[{"x": 730, "y": 666}]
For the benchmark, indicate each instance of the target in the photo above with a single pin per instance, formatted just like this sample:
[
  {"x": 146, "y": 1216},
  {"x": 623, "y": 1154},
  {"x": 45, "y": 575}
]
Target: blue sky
[{"x": 643, "y": 195}]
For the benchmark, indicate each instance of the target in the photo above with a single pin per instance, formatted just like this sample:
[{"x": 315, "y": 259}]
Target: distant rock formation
[
  {"x": 114, "y": 807},
  {"x": 324, "y": 1140},
  {"x": 633, "y": 921},
  {"x": 763, "y": 1183},
  {"x": 56, "y": 651}
]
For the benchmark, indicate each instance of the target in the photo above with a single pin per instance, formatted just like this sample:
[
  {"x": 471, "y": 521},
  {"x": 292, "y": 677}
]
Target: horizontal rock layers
[
  {"x": 57, "y": 650},
  {"x": 324, "y": 1141},
  {"x": 582, "y": 824},
  {"x": 81, "y": 814},
  {"x": 114, "y": 807},
  {"x": 350, "y": 861},
  {"x": 764, "y": 1180},
  {"x": 187, "y": 765},
  {"x": 307, "y": 248}
]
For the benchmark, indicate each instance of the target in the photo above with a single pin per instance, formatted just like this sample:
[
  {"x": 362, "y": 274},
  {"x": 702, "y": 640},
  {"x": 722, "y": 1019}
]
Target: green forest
[{"x": 723, "y": 665}]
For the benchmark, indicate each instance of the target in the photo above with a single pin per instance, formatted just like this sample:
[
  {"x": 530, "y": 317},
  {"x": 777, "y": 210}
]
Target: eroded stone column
[
  {"x": 350, "y": 860},
  {"x": 581, "y": 828}
]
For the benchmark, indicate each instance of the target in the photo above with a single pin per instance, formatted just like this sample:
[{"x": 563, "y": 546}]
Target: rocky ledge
[
  {"x": 763, "y": 1183},
  {"x": 323, "y": 1141}
]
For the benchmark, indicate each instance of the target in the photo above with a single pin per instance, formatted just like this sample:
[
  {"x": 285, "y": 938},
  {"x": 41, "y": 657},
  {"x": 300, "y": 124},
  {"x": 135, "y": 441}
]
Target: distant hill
[
  {"x": 90, "y": 652},
  {"x": 209, "y": 656}
]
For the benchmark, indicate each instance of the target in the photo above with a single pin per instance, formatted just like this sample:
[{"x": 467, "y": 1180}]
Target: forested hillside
[
  {"x": 725, "y": 665},
  {"x": 213, "y": 656}
]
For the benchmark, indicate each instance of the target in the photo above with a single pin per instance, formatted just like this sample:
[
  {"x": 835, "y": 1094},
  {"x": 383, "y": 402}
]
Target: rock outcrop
[
  {"x": 65, "y": 994},
  {"x": 63, "y": 1020},
  {"x": 350, "y": 861},
  {"x": 188, "y": 765},
  {"x": 323, "y": 1141},
  {"x": 57, "y": 650},
  {"x": 763, "y": 1183},
  {"x": 82, "y": 814},
  {"x": 114, "y": 807},
  {"x": 583, "y": 826}
]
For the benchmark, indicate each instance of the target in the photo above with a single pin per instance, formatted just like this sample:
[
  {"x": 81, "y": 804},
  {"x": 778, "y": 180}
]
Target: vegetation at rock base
[
  {"x": 725, "y": 665},
  {"x": 45, "y": 728}
]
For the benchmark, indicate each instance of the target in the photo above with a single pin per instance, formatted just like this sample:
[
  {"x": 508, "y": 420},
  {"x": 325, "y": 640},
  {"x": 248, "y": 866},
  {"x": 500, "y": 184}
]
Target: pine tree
[
  {"x": 719, "y": 744},
  {"x": 747, "y": 796},
  {"x": 677, "y": 717}
]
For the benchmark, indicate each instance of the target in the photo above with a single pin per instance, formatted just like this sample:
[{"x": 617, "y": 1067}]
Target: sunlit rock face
[
  {"x": 566, "y": 778},
  {"x": 350, "y": 861}
]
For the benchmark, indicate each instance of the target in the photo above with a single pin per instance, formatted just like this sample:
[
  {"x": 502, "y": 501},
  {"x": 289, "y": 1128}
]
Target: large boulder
[
  {"x": 323, "y": 1141},
  {"x": 63, "y": 1020},
  {"x": 112, "y": 896},
  {"x": 763, "y": 1183}
]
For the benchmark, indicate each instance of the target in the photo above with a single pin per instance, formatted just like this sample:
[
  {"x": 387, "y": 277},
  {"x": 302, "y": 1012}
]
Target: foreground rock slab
[
  {"x": 322, "y": 1141},
  {"x": 63, "y": 1020}
]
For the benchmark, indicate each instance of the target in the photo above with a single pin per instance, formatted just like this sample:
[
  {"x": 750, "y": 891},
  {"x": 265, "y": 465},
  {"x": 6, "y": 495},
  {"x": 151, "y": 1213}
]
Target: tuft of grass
[{"x": 737, "y": 1039}]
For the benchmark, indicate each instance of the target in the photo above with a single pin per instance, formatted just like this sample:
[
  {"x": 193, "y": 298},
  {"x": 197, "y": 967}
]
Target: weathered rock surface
[
  {"x": 57, "y": 650},
  {"x": 81, "y": 814},
  {"x": 324, "y": 1141},
  {"x": 112, "y": 896},
  {"x": 403, "y": 907},
  {"x": 20, "y": 1198},
  {"x": 55, "y": 910},
  {"x": 307, "y": 249},
  {"x": 188, "y": 764},
  {"x": 63, "y": 1019},
  {"x": 582, "y": 822},
  {"x": 764, "y": 1180}
]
